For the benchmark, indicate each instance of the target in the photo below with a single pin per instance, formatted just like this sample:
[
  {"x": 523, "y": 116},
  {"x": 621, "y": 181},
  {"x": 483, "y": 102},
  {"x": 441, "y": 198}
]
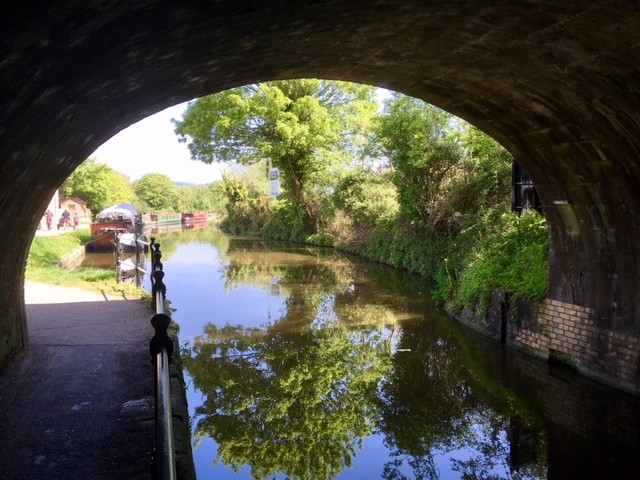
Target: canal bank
[{"x": 78, "y": 403}]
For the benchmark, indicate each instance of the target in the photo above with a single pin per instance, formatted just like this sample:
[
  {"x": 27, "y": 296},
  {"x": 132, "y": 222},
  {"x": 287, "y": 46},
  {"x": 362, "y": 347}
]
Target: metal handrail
[{"x": 161, "y": 349}]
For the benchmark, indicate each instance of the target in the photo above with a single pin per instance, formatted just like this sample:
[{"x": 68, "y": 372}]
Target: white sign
[{"x": 274, "y": 181}]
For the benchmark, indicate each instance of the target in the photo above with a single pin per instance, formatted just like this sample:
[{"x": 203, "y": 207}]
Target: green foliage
[
  {"x": 99, "y": 185},
  {"x": 515, "y": 257},
  {"x": 295, "y": 124},
  {"x": 423, "y": 150},
  {"x": 46, "y": 252},
  {"x": 248, "y": 204},
  {"x": 402, "y": 247},
  {"x": 76, "y": 277},
  {"x": 443, "y": 198},
  {"x": 287, "y": 222},
  {"x": 368, "y": 199},
  {"x": 245, "y": 183},
  {"x": 200, "y": 199},
  {"x": 158, "y": 192},
  {"x": 206, "y": 199},
  {"x": 248, "y": 216},
  {"x": 217, "y": 198},
  {"x": 484, "y": 179}
]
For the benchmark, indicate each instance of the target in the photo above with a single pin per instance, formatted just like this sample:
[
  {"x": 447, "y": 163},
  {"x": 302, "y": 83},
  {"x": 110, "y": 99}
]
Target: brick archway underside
[{"x": 556, "y": 82}]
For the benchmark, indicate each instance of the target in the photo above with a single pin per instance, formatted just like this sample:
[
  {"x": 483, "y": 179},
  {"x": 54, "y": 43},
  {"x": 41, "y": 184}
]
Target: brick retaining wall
[
  {"x": 566, "y": 332},
  {"x": 570, "y": 332}
]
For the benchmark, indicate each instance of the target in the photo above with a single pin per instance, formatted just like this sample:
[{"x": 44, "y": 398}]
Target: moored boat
[
  {"x": 191, "y": 218},
  {"x": 167, "y": 218},
  {"x": 162, "y": 229},
  {"x": 117, "y": 220},
  {"x": 161, "y": 218}
]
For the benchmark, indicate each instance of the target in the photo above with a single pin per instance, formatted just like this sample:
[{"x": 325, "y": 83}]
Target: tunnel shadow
[{"x": 78, "y": 403}]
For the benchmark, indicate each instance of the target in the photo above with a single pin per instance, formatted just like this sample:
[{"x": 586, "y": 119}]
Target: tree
[
  {"x": 489, "y": 167},
  {"x": 297, "y": 125},
  {"x": 368, "y": 198},
  {"x": 99, "y": 185},
  {"x": 417, "y": 138},
  {"x": 158, "y": 192},
  {"x": 201, "y": 199}
]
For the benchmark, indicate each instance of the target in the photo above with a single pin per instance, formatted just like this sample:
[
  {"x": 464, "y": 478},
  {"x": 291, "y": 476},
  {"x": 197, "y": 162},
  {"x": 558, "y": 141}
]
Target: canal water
[{"x": 305, "y": 363}]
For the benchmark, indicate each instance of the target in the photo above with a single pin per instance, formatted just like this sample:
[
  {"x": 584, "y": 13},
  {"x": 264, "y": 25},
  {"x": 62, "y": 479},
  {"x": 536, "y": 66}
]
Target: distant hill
[{"x": 191, "y": 185}]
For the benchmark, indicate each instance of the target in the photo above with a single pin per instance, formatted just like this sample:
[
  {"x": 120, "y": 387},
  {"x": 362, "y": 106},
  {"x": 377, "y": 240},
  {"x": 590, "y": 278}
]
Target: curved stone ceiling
[{"x": 556, "y": 82}]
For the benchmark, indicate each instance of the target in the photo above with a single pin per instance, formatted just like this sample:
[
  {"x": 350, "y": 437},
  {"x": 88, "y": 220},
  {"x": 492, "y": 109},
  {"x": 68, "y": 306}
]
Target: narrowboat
[
  {"x": 120, "y": 220},
  {"x": 189, "y": 219},
  {"x": 161, "y": 218},
  {"x": 167, "y": 218}
]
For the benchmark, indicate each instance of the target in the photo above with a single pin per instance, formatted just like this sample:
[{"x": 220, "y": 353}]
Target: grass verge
[{"x": 46, "y": 252}]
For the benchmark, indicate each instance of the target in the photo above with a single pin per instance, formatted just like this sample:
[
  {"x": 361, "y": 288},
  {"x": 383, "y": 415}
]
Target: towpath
[{"x": 78, "y": 403}]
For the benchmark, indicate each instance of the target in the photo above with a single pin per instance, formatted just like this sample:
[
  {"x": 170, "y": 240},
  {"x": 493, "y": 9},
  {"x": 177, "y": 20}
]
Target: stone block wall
[
  {"x": 13, "y": 333},
  {"x": 185, "y": 468}
]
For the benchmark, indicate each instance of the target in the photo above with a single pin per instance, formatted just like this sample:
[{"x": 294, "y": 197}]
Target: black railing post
[
  {"x": 161, "y": 349},
  {"x": 118, "y": 259},
  {"x": 137, "y": 266}
]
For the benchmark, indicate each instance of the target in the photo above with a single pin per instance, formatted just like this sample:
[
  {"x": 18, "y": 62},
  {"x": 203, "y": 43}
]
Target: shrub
[
  {"x": 368, "y": 199},
  {"x": 286, "y": 222},
  {"x": 248, "y": 216},
  {"x": 514, "y": 258}
]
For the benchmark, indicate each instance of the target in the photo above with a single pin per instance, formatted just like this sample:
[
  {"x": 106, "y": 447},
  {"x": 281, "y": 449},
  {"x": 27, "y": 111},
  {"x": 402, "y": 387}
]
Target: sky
[{"x": 150, "y": 146}]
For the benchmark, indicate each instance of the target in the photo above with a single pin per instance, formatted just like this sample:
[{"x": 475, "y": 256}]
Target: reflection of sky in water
[{"x": 200, "y": 297}]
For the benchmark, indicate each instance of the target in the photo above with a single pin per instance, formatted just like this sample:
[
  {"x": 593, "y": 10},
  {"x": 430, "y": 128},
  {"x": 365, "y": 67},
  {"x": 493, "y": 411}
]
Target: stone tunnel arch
[{"x": 556, "y": 82}]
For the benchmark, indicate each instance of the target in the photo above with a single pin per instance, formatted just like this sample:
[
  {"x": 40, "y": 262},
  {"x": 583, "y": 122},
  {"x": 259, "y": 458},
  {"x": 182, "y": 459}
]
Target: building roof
[{"x": 74, "y": 199}]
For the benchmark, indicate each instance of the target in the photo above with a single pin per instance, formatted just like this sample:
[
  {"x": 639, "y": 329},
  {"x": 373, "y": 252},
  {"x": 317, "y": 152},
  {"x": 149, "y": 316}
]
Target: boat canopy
[{"x": 122, "y": 211}]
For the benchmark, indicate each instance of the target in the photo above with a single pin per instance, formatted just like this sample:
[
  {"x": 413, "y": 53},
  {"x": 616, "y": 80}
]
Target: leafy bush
[
  {"x": 248, "y": 205},
  {"x": 514, "y": 258},
  {"x": 248, "y": 216},
  {"x": 368, "y": 199},
  {"x": 423, "y": 148},
  {"x": 286, "y": 222}
]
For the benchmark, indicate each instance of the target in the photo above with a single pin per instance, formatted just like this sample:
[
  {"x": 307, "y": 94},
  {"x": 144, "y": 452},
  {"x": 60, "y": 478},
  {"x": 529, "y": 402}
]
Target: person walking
[
  {"x": 66, "y": 218},
  {"x": 49, "y": 217}
]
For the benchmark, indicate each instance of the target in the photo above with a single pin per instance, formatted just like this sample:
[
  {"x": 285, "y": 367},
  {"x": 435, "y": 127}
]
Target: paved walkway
[
  {"x": 78, "y": 404},
  {"x": 43, "y": 232}
]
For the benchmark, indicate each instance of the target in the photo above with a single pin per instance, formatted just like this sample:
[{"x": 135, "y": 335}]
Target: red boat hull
[
  {"x": 103, "y": 235},
  {"x": 193, "y": 218}
]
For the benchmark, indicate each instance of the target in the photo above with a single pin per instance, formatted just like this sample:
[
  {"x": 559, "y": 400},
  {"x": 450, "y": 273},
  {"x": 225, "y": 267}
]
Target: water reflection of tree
[
  {"x": 298, "y": 402},
  {"x": 299, "y": 395},
  {"x": 169, "y": 242},
  {"x": 250, "y": 267},
  {"x": 436, "y": 401}
]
